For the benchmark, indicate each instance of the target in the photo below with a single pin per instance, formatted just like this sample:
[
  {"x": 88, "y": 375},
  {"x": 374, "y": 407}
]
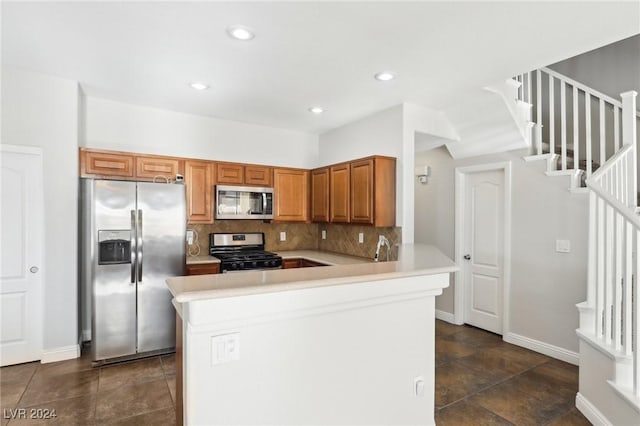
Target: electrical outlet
[
  {"x": 361, "y": 237},
  {"x": 283, "y": 236},
  {"x": 563, "y": 246},
  {"x": 324, "y": 234},
  {"x": 189, "y": 237},
  {"x": 225, "y": 348}
]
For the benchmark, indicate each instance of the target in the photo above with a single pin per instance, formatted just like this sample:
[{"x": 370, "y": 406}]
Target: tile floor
[{"x": 480, "y": 380}]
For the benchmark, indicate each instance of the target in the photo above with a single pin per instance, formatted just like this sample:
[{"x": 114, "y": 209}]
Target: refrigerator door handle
[
  {"x": 139, "y": 246},
  {"x": 133, "y": 246}
]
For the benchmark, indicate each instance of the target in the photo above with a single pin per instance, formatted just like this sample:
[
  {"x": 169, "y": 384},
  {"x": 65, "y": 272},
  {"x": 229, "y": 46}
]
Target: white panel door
[
  {"x": 21, "y": 216},
  {"x": 483, "y": 249}
]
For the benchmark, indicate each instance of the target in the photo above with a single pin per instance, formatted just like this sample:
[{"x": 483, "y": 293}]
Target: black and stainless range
[{"x": 242, "y": 252}]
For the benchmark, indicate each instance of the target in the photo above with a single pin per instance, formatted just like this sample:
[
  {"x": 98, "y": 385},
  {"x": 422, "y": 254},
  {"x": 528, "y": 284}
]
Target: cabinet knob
[{"x": 467, "y": 257}]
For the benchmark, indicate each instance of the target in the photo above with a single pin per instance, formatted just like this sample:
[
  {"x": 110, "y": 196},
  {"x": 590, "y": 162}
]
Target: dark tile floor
[
  {"x": 480, "y": 380},
  {"x": 133, "y": 393}
]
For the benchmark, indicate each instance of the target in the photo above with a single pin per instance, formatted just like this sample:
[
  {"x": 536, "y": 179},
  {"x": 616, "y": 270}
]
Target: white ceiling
[{"x": 304, "y": 53}]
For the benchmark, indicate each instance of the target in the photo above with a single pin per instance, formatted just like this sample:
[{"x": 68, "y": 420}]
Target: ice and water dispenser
[{"x": 114, "y": 247}]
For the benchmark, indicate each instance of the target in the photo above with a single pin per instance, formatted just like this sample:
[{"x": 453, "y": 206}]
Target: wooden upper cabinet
[
  {"x": 340, "y": 190},
  {"x": 152, "y": 167},
  {"x": 199, "y": 182},
  {"x": 243, "y": 174},
  {"x": 230, "y": 173},
  {"x": 320, "y": 195},
  {"x": 258, "y": 175},
  {"x": 106, "y": 164},
  {"x": 373, "y": 191},
  {"x": 291, "y": 195}
]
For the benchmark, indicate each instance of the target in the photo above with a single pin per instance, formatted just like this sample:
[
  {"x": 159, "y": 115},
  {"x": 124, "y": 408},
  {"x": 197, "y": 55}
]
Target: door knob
[
  {"x": 467, "y": 257},
  {"x": 33, "y": 269}
]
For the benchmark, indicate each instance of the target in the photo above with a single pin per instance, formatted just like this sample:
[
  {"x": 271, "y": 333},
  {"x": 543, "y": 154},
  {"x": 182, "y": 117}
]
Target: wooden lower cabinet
[
  {"x": 291, "y": 195},
  {"x": 203, "y": 268},
  {"x": 300, "y": 263},
  {"x": 199, "y": 182}
]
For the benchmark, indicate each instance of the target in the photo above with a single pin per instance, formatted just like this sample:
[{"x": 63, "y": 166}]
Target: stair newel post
[{"x": 629, "y": 138}]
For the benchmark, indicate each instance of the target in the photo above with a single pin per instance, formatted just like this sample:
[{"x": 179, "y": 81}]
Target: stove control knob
[{"x": 254, "y": 264}]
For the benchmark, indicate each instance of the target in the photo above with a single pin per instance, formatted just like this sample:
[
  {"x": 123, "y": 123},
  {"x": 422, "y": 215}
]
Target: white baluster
[
  {"x": 539, "y": 110},
  {"x": 587, "y": 121},
  {"x": 576, "y": 131},
  {"x": 629, "y": 136},
  {"x": 552, "y": 131},
  {"x": 603, "y": 142},
  {"x": 616, "y": 127},
  {"x": 636, "y": 322},
  {"x": 529, "y": 87},
  {"x": 563, "y": 125}
]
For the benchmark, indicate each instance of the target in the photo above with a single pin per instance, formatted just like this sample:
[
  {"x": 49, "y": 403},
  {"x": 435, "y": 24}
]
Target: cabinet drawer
[
  {"x": 94, "y": 163},
  {"x": 203, "y": 269}
]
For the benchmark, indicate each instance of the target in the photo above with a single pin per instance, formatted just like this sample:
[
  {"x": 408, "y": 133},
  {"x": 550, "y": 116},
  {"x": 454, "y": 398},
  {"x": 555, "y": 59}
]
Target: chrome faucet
[{"x": 382, "y": 240}]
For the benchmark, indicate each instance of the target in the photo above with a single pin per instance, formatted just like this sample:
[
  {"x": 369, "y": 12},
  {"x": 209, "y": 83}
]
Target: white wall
[
  {"x": 612, "y": 69},
  {"x": 545, "y": 285},
  {"x": 108, "y": 124},
  {"x": 42, "y": 111}
]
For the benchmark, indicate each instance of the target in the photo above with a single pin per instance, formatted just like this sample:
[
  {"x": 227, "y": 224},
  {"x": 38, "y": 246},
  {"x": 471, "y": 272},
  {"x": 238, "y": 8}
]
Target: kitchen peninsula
[{"x": 350, "y": 343}]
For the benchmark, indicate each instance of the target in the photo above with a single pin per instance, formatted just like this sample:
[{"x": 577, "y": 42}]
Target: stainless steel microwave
[{"x": 243, "y": 202}]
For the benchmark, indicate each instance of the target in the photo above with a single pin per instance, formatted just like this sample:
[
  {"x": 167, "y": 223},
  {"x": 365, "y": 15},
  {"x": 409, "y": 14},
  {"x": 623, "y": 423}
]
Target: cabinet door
[
  {"x": 306, "y": 263},
  {"x": 257, "y": 175},
  {"x": 340, "y": 190},
  {"x": 203, "y": 269},
  {"x": 230, "y": 173},
  {"x": 320, "y": 195},
  {"x": 148, "y": 168},
  {"x": 105, "y": 164},
  {"x": 290, "y": 263},
  {"x": 291, "y": 195},
  {"x": 199, "y": 181},
  {"x": 362, "y": 191}
]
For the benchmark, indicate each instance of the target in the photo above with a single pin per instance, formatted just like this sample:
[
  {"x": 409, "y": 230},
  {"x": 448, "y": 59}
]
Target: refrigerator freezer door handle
[
  {"x": 133, "y": 246},
  {"x": 139, "y": 246}
]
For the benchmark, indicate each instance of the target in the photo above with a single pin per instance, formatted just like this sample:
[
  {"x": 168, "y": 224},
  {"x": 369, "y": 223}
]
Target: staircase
[{"x": 591, "y": 138}]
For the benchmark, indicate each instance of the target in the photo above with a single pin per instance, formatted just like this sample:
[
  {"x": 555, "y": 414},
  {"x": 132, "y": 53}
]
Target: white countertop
[{"x": 414, "y": 260}]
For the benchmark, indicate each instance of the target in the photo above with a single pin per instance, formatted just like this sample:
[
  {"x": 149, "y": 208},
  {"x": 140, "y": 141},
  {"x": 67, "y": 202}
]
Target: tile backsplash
[
  {"x": 305, "y": 236},
  {"x": 344, "y": 239}
]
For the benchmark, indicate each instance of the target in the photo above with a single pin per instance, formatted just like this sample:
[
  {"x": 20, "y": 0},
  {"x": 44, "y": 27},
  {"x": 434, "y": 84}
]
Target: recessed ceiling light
[
  {"x": 385, "y": 76},
  {"x": 198, "y": 85},
  {"x": 316, "y": 110},
  {"x": 240, "y": 32}
]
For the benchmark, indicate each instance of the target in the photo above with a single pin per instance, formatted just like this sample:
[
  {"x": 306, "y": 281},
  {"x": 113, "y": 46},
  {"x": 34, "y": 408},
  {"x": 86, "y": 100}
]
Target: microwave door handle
[
  {"x": 139, "y": 246},
  {"x": 132, "y": 248},
  {"x": 264, "y": 203}
]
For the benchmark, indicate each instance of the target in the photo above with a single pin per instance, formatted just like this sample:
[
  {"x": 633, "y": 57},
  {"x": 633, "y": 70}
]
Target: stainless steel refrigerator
[{"x": 131, "y": 239}]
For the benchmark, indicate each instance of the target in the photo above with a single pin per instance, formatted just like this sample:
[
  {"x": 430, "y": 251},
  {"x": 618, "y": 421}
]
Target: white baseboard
[
  {"x": 60, "y": 354},
  {"x": 445, "y": 316},
  {"x": 543, "y": 348},
  {"x": 590, "y": 411}
]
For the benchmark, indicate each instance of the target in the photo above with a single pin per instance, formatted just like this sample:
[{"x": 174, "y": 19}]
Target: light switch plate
[
  {"x": 563, "y": 246},
  {"x": 189, "y": 237},
  {"x": 361, "y": 237},
  {"x": 324, "y": 234},
  {"x": 225, "y": 348},
  {"x": 283, "y": 236}
]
